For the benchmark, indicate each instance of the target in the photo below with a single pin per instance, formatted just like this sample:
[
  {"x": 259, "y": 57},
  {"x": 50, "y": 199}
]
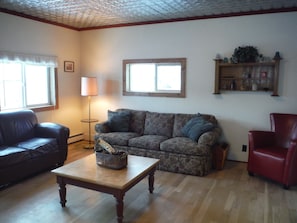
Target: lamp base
[{"x": 89, "y": 146}]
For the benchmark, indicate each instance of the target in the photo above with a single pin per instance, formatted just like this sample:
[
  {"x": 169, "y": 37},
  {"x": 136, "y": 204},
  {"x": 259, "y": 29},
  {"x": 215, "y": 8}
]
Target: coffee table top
[{"x": 87, "y": 170}]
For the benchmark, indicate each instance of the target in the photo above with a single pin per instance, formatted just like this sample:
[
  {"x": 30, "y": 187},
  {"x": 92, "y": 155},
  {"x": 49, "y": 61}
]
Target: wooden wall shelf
[{"x": 260, "y": 76}]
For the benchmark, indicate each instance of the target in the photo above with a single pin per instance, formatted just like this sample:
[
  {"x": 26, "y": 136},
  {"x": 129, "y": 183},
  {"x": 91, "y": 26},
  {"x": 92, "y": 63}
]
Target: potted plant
[{"x": 245, "y": 54}]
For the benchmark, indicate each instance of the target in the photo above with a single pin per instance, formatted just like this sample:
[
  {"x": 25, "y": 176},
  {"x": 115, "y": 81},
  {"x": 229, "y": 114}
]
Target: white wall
[
  {"x": 102, "y": 52},
  {"x": 23, "y": 35}
]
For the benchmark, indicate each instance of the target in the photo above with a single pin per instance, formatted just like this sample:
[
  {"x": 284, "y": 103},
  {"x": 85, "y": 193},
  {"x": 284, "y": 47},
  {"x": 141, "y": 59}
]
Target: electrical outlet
[{"x": 244, "y": 147}]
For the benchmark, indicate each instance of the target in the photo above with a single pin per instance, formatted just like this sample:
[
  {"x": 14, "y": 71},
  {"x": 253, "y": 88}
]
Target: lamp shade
[{"x": 89, "y": 86}]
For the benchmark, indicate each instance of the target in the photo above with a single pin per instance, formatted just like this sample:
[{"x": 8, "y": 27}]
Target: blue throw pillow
[
  {"x": 119, "y": 121},
  {"x": 196, "y": 126}
]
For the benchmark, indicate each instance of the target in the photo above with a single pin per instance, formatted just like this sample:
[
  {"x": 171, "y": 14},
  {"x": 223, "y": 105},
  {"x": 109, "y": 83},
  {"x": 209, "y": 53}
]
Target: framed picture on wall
[{"x": 68, "y": 66}]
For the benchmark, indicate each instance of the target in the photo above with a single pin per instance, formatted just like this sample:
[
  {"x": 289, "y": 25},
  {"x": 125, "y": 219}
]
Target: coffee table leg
[
  {"x": 62, "y": 190},
  {"x": 151, "y": 180},
  {"x": 120, "y": 207}
]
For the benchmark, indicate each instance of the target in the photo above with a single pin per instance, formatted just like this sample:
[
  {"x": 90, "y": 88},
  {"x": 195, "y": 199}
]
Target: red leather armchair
[{"x": 273, "y": 154}]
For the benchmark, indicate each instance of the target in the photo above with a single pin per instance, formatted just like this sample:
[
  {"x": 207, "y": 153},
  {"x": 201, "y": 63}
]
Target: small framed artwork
[{"x": 68, "y": 66}]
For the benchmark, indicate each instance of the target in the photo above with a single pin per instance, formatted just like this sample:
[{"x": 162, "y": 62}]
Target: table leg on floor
[
  {"x": 120, "y": 207},
  {"x": 151, "y": 180},
  {"x": 62, "y": 191}
]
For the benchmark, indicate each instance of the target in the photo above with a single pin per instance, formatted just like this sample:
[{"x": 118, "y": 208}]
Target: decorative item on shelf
[
  {"x": 254, "y": 86},
  {"x": 277, "y": 56},
  {"x": 109, "y": 157},
  {"x": 225, "y": 60},
  {"x": 245, "y": 54},
  {"x": 89, "y": 88},
  {"x": 233, "y": 85},
  {"x": 263, "y": 74}
]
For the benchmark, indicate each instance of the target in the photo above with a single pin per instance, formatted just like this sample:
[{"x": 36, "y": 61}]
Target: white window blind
[{"x": 46, "y": 60}]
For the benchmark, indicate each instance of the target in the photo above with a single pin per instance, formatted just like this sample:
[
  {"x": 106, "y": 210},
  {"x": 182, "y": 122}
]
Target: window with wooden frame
[
  {"x": 28, "y": 82},
  {"x": 154, "y": 77}
]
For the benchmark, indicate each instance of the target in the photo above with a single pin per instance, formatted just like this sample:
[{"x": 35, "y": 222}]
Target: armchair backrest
[{"x": 285, "y": 128}]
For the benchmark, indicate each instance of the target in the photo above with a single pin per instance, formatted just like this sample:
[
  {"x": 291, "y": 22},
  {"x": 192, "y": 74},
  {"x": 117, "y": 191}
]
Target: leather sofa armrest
[
  {"x": 292, "y": 153},
  {"x": 102, "y": 127},
  {"x": 261, "y": 139},
  {"x": 291, "y": 162},
  {"x": 52, "y": 130}
]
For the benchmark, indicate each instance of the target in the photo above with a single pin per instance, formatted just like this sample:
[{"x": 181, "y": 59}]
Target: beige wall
[
  {"x": 100, "y": 53},
  {"x": 199, "y": 41}
]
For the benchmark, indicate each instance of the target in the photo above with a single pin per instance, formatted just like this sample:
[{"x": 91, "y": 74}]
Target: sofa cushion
[
  {"x": 39, "y": 146},
  {"x": 180, "y": 120},
  {"x": 137, "y": 119},
  {"x": 147, "y": 141},
  {"x": 10, "y": 155},
  {"x": 117, "y": 138},
  {"x": 158, "y": 124},
  {"x": 118, "y": 121},
  {"x": 182, "y": 145},
  {"x": 196, "y": 126}
]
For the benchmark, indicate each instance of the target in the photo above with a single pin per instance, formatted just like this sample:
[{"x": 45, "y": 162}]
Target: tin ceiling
[{"x": 91, "y": 14}]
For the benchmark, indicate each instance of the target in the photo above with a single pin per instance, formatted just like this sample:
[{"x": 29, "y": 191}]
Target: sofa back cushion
[
  {"x": 17, "y": 126},
  {"x": 118, "y": 121},
  {"x": 158, "y": 124},
  {"x": 180, "y": 120},
  {"x": 137, "y": 119}
]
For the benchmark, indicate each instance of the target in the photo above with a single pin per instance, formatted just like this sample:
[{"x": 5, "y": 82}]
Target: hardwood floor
[{"x": 226, "y": 196}]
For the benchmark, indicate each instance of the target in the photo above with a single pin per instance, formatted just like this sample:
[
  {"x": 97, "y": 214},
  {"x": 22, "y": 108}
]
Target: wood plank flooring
[{"x": 226, "y": 196}]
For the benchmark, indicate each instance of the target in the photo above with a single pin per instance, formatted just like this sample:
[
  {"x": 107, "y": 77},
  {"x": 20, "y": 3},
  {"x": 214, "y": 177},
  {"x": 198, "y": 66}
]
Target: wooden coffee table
[{"x": 87, "y": 174}]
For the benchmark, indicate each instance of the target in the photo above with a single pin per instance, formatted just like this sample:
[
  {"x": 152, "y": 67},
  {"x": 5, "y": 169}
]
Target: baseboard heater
[{"x": 75, "y": 138}]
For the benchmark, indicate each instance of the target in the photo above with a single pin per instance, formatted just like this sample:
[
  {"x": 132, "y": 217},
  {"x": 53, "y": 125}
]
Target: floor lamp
[{"x": 89, "y": 88}]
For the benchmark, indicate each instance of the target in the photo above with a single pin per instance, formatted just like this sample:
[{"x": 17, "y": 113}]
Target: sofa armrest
[
  {"x": 291, "y": 162},
  {"x": 209, "y": 138},
  {"x": 102, "y": 127},
  {"x": 52, "y": 130}
]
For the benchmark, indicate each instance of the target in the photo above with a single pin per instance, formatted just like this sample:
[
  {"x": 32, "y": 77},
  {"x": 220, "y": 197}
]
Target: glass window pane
[
  {"x": 169, "y": 78},
  {"x": 37, "y": 83},
  {"x": 142, "y": 77},
  {"x": 11, "y": 86}
]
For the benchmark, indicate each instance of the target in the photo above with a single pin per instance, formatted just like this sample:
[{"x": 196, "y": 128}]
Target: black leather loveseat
[{"x": 28, "y": 147}]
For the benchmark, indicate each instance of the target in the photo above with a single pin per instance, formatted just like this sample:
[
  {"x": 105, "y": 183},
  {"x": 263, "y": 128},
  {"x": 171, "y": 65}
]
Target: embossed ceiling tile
[{"x": 95, "y": 13}]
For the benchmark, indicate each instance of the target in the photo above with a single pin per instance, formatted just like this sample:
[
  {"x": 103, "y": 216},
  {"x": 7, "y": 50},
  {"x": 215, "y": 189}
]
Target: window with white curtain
[{"x": 27, "y": 81}]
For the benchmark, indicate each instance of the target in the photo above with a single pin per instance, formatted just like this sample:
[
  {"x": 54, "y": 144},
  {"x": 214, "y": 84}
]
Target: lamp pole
[
  {"x": 89, "y": 100},
  {"x": 89, "y": 88}
]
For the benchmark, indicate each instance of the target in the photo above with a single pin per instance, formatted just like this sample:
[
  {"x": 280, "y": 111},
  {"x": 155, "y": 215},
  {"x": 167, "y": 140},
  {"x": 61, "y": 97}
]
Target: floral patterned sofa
[{"x": 164, "y": 136}]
